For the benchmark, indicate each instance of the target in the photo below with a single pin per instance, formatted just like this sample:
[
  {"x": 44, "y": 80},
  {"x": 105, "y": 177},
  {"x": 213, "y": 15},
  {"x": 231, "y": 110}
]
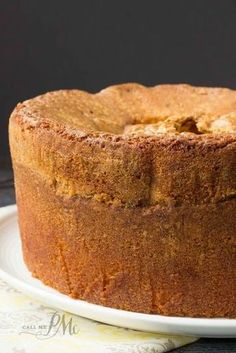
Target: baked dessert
[{"x": 127, "y": 197}]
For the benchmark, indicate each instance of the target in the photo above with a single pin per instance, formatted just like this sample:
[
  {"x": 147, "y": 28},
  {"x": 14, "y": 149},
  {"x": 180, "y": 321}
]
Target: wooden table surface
[{"x": 7, "y": 197}]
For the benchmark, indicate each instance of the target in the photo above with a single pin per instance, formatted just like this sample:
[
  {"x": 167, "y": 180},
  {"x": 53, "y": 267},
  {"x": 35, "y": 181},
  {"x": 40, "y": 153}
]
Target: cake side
[
  {"x": 177, "y": 261},
  {"x": 140, "y": 171}
]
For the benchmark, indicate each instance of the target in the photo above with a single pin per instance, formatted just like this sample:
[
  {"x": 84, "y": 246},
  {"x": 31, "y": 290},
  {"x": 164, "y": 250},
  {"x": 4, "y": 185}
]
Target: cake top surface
[{"x": 133, "y": 110}]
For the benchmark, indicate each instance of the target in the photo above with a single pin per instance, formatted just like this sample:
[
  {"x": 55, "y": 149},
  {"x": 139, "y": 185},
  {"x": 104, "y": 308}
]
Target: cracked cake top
[{"x": 135, "y": 110}]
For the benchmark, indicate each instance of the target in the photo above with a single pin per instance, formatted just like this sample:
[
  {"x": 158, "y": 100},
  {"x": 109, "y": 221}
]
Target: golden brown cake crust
[{"x": 146, "y": 174}]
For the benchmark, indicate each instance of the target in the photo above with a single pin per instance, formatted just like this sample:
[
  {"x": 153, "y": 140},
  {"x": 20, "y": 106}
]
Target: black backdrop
[{"x": 46, "y": 45}]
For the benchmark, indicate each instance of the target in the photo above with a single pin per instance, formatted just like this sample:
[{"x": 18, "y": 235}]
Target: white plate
[{"x": 14, "y": 271}]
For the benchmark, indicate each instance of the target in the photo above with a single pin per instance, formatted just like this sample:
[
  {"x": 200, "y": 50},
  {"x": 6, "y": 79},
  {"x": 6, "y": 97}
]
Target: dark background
[{"x": 46, "y": 45}]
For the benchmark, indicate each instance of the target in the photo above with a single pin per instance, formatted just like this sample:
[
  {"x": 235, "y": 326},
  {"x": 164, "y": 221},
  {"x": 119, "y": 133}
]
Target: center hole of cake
[
  {"x": 168, "y": 125},
  {"x": 188, "y": 125}
]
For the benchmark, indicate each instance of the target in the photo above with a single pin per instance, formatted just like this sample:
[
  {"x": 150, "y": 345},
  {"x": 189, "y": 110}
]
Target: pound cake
[{"x": 127, "y": 197}]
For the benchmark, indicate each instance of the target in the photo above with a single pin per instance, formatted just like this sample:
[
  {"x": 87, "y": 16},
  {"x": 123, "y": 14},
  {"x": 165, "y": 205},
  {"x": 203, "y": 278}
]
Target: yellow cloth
[{"x": 28, "y": 326}]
